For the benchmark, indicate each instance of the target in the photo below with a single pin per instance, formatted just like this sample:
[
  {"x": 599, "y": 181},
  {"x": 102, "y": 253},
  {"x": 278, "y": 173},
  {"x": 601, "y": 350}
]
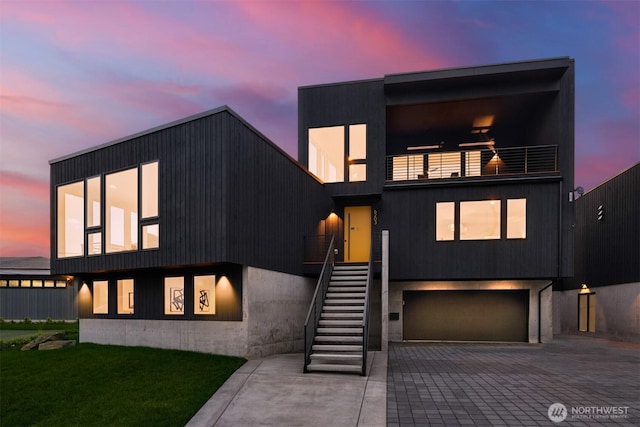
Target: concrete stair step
[
  {"x": 339, "y": 331},
  {"x": 330, "y": 367},
  {"x": 338, "y": 295},
  {"x": 350, "y": 267},
  {"x": 345, "y": 283},
  {"x": 335, "y": 339},
  {"x": 326, "y": 357},
  {"x": 336, "y": 348},
  {"x": 346, "y": 289},
  {"x": 340, "y": 322},
  {"x": 347, "y": 278},
  {"x": 344, "y": 301},
  {"x": 342, "y": 316},
  {"x": 343, "y": 308}
]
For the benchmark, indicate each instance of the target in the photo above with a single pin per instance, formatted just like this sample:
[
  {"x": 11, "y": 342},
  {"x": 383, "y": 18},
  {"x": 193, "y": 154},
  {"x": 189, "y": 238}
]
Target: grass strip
[{"x": 98, "y": 385}]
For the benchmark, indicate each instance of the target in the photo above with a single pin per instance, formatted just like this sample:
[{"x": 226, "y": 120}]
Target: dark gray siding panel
[
  {"x": 414, "y": 253},
  {"x": 608, "y": 250},
  {"x": 345, "y": 104},
  {"x": 38, "y": 303},
  {"x": 226, "y": 194}
]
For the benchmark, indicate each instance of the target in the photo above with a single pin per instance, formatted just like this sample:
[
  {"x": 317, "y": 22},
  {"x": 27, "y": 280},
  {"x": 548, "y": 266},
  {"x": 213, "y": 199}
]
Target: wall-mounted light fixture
[
  {"x": 425, "y": 147},
  {"x": 585, "y": 289},
  {"x": 489, "y": 143},
  {"x": 572, "y": 193}
]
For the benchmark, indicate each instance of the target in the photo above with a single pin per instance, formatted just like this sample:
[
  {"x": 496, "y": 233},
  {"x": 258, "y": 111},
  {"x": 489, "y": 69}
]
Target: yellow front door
[{"x": 357, "y": 233}]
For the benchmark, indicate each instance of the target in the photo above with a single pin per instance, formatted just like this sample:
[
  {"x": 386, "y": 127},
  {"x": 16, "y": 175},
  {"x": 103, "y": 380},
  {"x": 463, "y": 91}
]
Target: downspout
[{"x": 540, "y": 311}]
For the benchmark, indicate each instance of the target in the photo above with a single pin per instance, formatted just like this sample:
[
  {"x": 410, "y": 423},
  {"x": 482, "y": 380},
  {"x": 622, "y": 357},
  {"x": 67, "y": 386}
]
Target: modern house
[
  {"x": 29, "y": 290},
  {"x": 431, "y": 205},
  {"x": 603, "y": 299}
]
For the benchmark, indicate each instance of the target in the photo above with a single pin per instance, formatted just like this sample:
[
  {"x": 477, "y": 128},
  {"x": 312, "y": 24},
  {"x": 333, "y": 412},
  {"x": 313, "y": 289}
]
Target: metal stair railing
[
  {"x": 315, "y": 309},
  {"x": 365, "y": 317}
]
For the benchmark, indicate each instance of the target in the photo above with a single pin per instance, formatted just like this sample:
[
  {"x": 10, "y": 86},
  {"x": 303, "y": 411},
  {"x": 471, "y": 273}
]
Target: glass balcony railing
[{"x": 484, "y": 162}]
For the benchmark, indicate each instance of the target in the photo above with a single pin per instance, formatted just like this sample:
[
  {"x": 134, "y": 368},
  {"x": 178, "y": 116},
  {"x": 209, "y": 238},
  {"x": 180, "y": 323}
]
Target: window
[
  {"x": 327, "y": 155},
  {"x": 3, "y": 283},
  {"x": 174, "y": 295},
  {"x": 36, "y": 283},
  {"x": 61, "y": 283},
  {"x": 14, "y": 283},
  {"x": 516, "y": 218},
  {"x": 587, "y": 312},
  {"x": 94, "y": 243},
  {"x": 326, "y": 158},
  {"x": 480, "y": 220},
  {"x": 150, "y": 190},
  {"x": 472, "y": 163},
  {"x": 444, "y": 165},
  {"x": 25, "y": 283},
  {"x": 101, "y": 297},
  {"x": 70, "y": 231},
  {"x": 93, "y": 202},
  {"x": 408, "y": 167},
  {"x": 125, "y": 296},
  {"x": 445, "y": 221},
  {"x": 49, "y": 283},
  {"x": 357, "y": 153},
  {"x": 150, "y": 236},
  {"x": 121, "y": 198},
  {"x": 204, "y": 297}
]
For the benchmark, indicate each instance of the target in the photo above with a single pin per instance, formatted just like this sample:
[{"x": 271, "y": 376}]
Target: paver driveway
[{"x": 597, "y": 381}]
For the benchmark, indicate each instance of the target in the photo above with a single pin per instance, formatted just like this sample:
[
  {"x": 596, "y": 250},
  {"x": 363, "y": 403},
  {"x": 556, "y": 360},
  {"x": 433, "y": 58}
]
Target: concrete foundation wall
[
  {"x": 274, "y": 309},
  {"x": 534, "y": 286},
  {"x": 275, "y": 306},
  {"x": 228, "y": 338},
  {"x": 617, "y": 312}
]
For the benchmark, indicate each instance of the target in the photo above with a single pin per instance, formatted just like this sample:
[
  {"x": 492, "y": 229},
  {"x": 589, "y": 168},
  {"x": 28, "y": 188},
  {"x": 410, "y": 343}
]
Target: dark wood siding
[
  {"x": 414, "y": 253},
  {"x": 226, "y": 194},
  {"x": 608, "y": 250},
  {"x": 345, "y": 104},
  {"x": 149, "y": 293}
]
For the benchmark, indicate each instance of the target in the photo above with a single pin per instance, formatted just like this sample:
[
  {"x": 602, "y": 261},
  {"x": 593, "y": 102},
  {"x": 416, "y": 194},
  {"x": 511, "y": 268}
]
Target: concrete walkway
[{"x": 274, "y": 392}]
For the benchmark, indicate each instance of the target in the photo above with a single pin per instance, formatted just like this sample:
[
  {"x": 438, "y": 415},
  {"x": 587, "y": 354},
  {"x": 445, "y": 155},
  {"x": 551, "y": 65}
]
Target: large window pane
[
  {"x": 472, "y": 163},
  {"x": 358, "y": 142},
  {"x": 125, "y": 296},
  {"x": 150, "y": 236},
  {"x": 445, "y": 227},
  {"x": 480, "y": 220},
  {"x": 516, "y": 218},
  {"x": 94, "y": 243},
  {"x": 121, "y": 200},
  {"x": 408, "y": 167},
  {"x": 70, "y": 231},
  {"x": 93, "y": 202},
  {"x": 101, "y": 297},
  {"x": 326, "y": 153},
  {"x": 174, "y": 295},
  {"x": 150, "y": 190},
  {"x": 204, "y": 296}
]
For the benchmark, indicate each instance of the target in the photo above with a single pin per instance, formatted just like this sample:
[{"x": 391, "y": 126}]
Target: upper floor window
[
  {"x": 332, "y": 151},
  {"x": 71, "y": 220},
  {"x": 480, "y": 220},
  {"x": 121, "y": 211},
  {"x": 80, "y": 213}
]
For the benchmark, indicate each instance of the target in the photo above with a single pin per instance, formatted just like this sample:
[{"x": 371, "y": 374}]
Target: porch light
[{"x": 585, "y": 289}]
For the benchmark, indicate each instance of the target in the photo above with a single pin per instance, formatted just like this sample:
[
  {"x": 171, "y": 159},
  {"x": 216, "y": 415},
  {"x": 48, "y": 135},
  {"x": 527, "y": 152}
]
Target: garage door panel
[{"x": 466, "y": 315}]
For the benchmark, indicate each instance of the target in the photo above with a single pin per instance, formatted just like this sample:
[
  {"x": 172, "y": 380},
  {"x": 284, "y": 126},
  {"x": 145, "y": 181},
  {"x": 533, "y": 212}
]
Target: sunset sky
[{"x": 75, "y": 74}]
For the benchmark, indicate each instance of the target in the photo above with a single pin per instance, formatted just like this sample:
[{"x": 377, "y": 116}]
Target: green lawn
[{"x": 98, "y": 385}]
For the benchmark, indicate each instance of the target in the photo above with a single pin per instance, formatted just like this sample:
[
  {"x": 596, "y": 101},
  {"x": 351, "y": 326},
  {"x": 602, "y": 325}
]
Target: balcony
[{"x": 473, "y": 163}]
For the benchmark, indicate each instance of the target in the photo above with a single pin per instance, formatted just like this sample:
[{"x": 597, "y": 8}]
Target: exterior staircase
[{"x": 338, "y": 343}]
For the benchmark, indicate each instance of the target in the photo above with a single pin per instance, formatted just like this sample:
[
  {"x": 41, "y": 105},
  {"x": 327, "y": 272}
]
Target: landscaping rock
[
  {"x": 55, "y": 336},
  {"x": 54, "y": 345}
]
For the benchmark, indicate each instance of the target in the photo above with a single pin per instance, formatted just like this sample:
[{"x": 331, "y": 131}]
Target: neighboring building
[
  {"x": 203, "y": 235},
  {"x": 29, "y": 290},
  {"x": 603, "y": 300}
]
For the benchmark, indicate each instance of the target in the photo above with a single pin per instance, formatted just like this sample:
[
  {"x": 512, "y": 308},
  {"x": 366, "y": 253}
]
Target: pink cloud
[
  {"x": 342, "y": 35},
  {"x": 24, "y": 215}
]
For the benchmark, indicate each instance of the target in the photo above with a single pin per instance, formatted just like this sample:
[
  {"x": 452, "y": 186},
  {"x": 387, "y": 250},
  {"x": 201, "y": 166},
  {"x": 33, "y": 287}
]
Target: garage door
[{"x": 466, "y": 315}]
